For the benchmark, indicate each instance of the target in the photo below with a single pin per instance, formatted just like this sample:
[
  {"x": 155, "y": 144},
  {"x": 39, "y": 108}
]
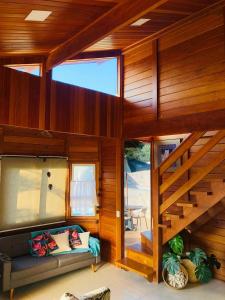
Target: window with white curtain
[
  {"x": 32, "y": 191},
  {"x": 83, "y": 199}
]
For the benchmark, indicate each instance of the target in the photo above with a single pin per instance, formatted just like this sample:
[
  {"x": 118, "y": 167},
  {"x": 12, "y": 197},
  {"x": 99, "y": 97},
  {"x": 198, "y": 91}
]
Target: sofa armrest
[{"x": 5, "y": 271}]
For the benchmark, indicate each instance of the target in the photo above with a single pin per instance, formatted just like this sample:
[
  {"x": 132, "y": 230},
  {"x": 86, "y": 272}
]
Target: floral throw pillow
[
  {"x": 39, "y": 246},
  {"x": 50, "y": 242},
  {"x": 74, "y": 239},
  {"x": 42, "y": 245}
]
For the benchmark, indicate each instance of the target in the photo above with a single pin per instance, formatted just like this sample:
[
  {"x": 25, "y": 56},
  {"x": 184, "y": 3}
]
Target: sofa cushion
[
  {"x": 72, "y": 258},
  {"x": 27, "y": 265}
]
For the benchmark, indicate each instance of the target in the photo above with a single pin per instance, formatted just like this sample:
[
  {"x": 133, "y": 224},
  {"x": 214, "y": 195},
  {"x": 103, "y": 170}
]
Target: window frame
[{"x": 97, "y": 182}]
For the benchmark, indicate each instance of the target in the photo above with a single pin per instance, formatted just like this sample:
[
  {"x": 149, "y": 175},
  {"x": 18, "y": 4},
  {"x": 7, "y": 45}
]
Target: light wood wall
[
  {"x": 79, "y": 110},
  {"x": 111, "y": 190},
  {"x": 138, "y": 85},
  {"x": 191, "y": 72},
  {"x": 192, "y": 67},
  {"x": 19, "y": 98},
  {"x": 66, "y": 108}
]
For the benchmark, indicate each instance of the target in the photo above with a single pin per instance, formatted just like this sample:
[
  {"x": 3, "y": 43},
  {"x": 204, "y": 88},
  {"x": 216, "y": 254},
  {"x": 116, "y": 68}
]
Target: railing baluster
[
  {"x": 180, "y": 150},
  {"x": 157, "y": 232}
]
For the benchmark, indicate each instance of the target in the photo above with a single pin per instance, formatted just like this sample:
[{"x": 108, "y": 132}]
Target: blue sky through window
[
  {"x": 31, "y": 69},
  {"x": 99, "y": 75}
]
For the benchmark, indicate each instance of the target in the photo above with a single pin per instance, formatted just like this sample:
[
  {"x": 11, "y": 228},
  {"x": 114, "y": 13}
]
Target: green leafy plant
[
  {"x": 203, "y": 273},
  {"x": 177, "y": 245},
  {"x": 171, "y": 263},
  {"x": 197, "y": 256},
  {"x": 204, "y": 264}
]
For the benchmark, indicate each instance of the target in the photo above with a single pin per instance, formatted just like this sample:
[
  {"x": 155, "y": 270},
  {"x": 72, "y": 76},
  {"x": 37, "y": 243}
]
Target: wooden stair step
[
  {"x": 173, "y": 216},
  {"x": 194, "y": 193},
  {"x": 131, "y": 265},
  {"x": 165, "y": 224},
  {"x": 146, "y": 240},
  {"x": 140, "y": 254},
  {"x": 186, "y": 203},
  {"x": 204, "y": 204}
]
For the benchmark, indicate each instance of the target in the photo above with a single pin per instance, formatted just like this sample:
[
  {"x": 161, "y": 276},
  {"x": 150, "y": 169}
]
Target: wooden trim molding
[
  {"x": 204, "y": 121},
  {"x": 155, "y": 81},
  {"x": 97, "y": 54}
]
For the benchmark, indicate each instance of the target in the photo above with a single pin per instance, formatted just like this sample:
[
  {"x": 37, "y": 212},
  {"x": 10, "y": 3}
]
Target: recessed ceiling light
[
  {"x": 140, "y": 22},
  {"x": 38, "y": 15}
]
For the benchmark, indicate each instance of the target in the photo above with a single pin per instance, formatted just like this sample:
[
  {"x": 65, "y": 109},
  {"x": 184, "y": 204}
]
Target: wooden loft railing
[{"x": 167, "y": 224}]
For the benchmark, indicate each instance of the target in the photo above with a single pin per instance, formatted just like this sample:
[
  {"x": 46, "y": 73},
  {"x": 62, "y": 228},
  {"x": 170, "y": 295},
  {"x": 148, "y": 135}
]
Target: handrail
[
  {"x": 180, "y": 150},
  {"x": 192, "y": 160},
  {"x": 192, "y": 182}
]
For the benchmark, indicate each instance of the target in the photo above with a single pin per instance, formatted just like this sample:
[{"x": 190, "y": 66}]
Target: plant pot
[
  {"x": 177, "y": 286},
  {"x": 190, "y": 267}
]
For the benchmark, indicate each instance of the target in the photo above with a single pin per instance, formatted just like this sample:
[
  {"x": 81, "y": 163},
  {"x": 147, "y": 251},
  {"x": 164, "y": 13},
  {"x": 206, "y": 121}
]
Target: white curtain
[
  {"x": 25, "y": 194},
  {"x": 83, "y": 199}
]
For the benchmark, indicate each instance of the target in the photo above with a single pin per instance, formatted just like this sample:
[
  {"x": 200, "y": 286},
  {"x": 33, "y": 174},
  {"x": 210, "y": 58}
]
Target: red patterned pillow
[
  {"x": 39, "y": 246},
  {"x": 51, "y": 244},
  {"x": 74, "y": 238},
  {"x": 42, "y": 245}
]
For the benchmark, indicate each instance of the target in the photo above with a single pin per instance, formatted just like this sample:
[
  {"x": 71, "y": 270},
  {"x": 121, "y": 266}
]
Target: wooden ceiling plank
[
  {"x": 121, "y": 15},
  {"x": 61, "y": 3}
]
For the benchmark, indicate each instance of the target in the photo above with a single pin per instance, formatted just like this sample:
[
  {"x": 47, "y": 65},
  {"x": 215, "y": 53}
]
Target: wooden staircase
[
  {"x": 139, "y": 258},
  {"x": 182, "y": 197}
]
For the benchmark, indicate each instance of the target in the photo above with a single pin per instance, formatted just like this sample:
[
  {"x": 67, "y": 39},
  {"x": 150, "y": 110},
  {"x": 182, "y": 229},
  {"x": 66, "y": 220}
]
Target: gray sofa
[{"x": 19, "y": 268}]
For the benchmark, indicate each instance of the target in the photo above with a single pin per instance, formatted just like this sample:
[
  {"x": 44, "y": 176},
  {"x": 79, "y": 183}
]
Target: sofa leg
[
  {"x": 11, "y": 294},
  {"x": 93, "y": 267}
]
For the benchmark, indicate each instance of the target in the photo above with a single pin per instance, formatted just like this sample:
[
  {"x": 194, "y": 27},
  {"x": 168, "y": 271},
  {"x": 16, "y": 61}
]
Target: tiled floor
[{"x": 124, "y": 286}]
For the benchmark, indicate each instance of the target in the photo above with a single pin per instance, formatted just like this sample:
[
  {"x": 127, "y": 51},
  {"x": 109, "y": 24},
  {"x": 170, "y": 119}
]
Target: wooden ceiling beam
[
  {"x": 211, "y": 120},
  {"x": 122, "y": 14}
]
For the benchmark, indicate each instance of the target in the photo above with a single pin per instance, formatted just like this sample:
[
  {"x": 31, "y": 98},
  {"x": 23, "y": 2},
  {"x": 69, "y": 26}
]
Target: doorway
[{"x": 137, "y": 191}]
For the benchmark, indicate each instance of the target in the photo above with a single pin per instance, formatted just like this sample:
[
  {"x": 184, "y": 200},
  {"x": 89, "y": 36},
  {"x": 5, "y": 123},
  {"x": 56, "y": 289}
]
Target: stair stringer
[{"x": 204, "y": 203}]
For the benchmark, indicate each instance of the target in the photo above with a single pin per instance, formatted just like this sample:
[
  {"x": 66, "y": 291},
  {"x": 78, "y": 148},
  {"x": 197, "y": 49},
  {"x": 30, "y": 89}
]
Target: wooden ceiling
[
  {"x": 69, "y": 17},
  {"x": 162, "y": 17}
]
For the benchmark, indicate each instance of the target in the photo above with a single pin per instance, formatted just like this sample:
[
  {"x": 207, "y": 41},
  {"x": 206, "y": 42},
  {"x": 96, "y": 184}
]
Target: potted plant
[
  {"x": 198, "y": 265},
  {"x": 174, "y": 274}
]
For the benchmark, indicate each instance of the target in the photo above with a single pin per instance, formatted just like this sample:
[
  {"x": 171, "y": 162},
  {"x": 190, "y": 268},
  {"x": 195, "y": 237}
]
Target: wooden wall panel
[
  {"x": 66, "y": 108},
  {"x": 192, "y": 67},
  {"x": 83, "y": 111},
  {"x": 191, "y": 72},
  {"x": 109, "y": 190},
  {"x": 211, "y": 237},
  {"x": 138, "y": 85},
  {"x": 19, "y": 98}
]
